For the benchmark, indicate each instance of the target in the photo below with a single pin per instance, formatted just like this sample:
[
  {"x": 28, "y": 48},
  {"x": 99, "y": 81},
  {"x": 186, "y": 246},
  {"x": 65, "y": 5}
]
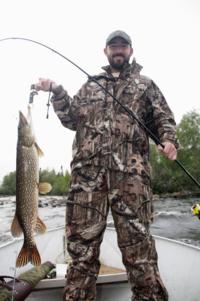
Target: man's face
[{"x": 118, "y": 52}]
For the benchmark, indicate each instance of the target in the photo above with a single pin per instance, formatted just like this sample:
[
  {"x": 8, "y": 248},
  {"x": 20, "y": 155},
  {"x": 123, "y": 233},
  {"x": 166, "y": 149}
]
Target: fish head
[{"x": 25, "y": 133}]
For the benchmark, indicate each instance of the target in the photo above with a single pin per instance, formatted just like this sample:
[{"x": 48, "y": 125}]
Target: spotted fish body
[{"x": 26, "y": 218}]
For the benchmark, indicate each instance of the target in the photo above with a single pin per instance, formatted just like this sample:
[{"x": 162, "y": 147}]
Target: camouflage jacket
[{"x": 105, "y": 134}]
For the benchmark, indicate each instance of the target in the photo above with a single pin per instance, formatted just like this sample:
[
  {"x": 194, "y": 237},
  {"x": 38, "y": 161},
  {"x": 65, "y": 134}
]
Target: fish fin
[
  {"x": 35, "y": 256},
  {"x": 44, "y": 188},
  {"x": 39, "y": 151},
  {"x": 28, "y": 255},
  {"x": 40, "y": 226},
  {"x": 16, "y": 229}
]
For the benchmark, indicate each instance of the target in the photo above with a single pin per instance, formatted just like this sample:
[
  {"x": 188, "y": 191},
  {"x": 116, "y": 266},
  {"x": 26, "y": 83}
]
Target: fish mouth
[{"x": 22, "y": 120}]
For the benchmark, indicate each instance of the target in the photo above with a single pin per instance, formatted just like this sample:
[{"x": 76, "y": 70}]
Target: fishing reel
[{"x": 196, "y": 210}]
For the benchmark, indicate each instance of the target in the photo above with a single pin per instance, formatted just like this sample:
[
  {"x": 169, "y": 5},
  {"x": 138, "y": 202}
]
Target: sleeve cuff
[{"x": 59, "y": 93}]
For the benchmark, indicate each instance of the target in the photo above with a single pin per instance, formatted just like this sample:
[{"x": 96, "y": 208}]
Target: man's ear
[
  {"x": 131, "y": 51},
  {"x": 105, "y": 51}
]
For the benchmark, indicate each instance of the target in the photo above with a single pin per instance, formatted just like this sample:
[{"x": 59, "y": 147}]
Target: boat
[{"x": 178, "y": 265}]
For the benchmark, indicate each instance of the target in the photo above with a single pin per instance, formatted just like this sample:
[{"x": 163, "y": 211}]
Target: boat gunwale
[
  {"x": 109, "y": 228},
  {"x": 171, "y": 240},
  {"x": 178, "y": 242}
]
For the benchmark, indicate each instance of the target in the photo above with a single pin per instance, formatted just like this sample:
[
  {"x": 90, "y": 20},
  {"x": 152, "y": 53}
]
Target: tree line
[
  {"x": 58, "y": 180},
  {"x": 167, "y": 176}
]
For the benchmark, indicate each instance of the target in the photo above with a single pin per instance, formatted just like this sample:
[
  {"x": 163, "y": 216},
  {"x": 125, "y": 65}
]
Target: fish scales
[
  {"x": 27, "y": 190},
  {"x": 26, "y": 218}
]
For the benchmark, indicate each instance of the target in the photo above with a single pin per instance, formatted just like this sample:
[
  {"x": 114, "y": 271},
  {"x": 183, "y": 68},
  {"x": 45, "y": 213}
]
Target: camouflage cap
[{"x": 120, "y": 34}]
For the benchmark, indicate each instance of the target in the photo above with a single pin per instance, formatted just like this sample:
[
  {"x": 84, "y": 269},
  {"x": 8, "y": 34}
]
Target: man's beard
[{"x": 118, "y": 64}]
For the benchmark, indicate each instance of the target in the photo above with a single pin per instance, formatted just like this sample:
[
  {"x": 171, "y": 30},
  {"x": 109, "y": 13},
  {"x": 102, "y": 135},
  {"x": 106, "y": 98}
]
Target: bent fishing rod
[{"x": 125, "y": 108}]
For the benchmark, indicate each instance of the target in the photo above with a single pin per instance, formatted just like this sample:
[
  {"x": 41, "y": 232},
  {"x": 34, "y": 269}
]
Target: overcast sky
[{"x": 165, "y": 36}]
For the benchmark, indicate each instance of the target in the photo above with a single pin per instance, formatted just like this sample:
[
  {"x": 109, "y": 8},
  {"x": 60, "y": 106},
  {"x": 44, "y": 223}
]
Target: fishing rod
[{"x": 125, "y": 108}]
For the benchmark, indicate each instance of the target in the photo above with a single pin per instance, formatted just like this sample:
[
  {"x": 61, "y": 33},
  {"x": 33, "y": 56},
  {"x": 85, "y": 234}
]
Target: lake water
[{"x": 173, "y": 218}]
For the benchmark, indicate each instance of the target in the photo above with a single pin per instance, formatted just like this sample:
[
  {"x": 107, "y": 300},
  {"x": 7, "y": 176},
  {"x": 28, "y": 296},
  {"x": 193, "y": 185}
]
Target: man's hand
[
  {"x": 45, "y": 84},
  {"x": 169, "y": 150}
]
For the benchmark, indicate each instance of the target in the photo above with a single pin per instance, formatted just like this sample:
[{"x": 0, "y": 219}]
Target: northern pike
[{"x": 26, "y": 219}]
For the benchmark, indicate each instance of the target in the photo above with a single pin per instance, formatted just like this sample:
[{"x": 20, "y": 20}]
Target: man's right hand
[{"x": 45, "y": 84}]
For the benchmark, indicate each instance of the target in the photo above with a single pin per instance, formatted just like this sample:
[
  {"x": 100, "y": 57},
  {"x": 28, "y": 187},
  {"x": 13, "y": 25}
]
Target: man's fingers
[
  {"x": 37, "y": 87},
  {"x": 44, "y": 84},
  {"x": 171, "y": 155},
  {"x": 168, "y": 151}
]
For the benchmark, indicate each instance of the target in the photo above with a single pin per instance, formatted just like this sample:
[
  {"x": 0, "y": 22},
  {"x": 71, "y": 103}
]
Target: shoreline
[
  {"x": 176, "y": 195},
  {"x": 44, "y": 201}
]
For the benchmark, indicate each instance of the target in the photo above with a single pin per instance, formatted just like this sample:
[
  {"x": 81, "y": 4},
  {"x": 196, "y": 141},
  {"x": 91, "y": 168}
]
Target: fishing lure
[{"x": 34, "y": 92}]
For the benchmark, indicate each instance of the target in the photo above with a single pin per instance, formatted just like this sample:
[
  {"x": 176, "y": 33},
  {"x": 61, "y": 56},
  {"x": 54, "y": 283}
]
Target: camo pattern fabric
[
  {"x": 105, "y": 133},
  {"x": 93, "y": 191},
  {"x": 110, "y": 167}
]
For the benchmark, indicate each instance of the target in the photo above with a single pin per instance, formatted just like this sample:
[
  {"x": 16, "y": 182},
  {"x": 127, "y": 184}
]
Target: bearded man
[{"x": 110, "y": 169}]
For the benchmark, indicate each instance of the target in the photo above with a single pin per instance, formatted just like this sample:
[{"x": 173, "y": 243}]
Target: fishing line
[
  {"x": 126, "y": 109},
  {"x": 14, "y": 278},
  {"x": 48, "y": 102}
]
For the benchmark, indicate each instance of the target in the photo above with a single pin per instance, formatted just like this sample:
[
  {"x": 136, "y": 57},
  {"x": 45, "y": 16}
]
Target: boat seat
[{"x": 104, "y": 269}]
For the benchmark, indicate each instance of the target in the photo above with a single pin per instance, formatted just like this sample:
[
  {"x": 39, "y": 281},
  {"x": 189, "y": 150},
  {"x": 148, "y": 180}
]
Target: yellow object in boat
[{"x": 196, "y": 210}]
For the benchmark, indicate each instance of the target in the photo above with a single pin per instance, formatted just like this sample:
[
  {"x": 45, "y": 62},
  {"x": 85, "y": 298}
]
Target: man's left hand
[{"x": 169, "y": 150}]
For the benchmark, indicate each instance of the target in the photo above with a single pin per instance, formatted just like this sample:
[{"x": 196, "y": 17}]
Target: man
[{"x": 110, "y": 168}]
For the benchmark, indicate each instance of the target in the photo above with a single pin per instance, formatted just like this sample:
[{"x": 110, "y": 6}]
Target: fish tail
[
  {"x": 28, "y": 254},
  {"x": 35, "y": 256}
]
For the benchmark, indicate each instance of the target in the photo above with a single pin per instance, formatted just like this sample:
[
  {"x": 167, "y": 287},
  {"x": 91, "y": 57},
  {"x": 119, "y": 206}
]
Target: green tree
[
  {"x": 188, "y": 133},
  {"x": 167, "y": 176},
  {"x": 8, "y": 186},
  {"x": 59, "y": 181},
  {"x": 164, "y": 173}
]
